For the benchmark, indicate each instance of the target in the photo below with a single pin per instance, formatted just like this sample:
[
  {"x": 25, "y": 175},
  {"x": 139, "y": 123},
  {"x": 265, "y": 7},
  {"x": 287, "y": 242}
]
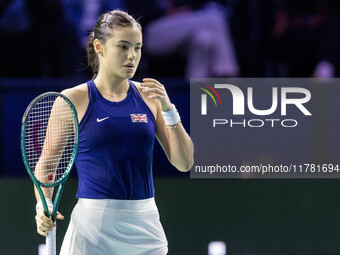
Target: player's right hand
[{"x": 45, "y": 224}]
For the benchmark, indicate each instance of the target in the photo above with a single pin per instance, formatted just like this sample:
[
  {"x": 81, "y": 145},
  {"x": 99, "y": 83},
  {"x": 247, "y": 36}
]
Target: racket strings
[{"x": 50, "y": 138}]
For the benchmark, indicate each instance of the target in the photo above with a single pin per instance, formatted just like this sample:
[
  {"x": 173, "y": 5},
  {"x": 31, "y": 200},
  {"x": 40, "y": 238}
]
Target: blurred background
[{"x": 42, "y": 48}]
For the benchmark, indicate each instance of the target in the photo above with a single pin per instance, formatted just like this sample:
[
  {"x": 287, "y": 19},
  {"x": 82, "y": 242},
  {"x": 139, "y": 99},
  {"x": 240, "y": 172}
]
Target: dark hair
[{"x": 103, "y": 31}]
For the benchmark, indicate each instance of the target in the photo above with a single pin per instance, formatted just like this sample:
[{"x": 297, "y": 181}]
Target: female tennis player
[{"x": 118, "y": 122}]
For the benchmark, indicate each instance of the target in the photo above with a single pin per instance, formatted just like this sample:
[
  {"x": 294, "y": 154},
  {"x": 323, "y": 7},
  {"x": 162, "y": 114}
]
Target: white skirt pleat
[{"x": 110, "y": 226}]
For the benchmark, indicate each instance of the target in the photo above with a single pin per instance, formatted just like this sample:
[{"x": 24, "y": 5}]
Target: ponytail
[{"x": 92, "y": 58}]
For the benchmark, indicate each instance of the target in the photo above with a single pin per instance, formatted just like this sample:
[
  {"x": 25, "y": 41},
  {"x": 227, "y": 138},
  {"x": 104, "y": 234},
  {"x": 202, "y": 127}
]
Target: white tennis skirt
[{"x": 109, "y": 226}]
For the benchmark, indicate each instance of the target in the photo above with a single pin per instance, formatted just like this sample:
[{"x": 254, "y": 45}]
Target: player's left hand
[{"x": 155, "y": 90}]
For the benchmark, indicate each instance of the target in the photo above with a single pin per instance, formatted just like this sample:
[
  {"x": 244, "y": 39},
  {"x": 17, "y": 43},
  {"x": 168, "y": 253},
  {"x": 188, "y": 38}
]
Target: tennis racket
[{"x": 49, "y": 142}]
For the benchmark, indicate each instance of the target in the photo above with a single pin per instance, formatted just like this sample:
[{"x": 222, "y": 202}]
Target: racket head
[{"x": 49, "y": 137}]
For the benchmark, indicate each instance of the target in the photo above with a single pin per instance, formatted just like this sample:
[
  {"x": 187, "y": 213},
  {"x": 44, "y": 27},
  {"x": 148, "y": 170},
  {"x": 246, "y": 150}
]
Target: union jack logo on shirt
[{"x": 137, "y": 117}]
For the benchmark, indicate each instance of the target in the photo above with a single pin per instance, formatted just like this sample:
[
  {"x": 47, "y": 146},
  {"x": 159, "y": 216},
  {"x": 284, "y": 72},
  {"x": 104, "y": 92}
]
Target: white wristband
[
  {"x": 171, "y": 117},
  {"x": 39, "y": 205}
]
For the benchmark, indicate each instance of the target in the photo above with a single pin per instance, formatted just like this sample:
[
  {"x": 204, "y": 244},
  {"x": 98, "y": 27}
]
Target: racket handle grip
[{"x": 51, "y": 242}]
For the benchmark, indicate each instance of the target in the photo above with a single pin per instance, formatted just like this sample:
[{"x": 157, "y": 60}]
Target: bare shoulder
[
  {"x": 76, "y": 93},
  {"x": 79, "y": 97}
]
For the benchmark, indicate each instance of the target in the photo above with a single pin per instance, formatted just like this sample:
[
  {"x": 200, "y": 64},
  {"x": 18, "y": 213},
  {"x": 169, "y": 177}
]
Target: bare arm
[
  {"x": 176, "y": 143},
  {"x": 59, "y": 129},
  {"x": 52, "y": 152},
  {"x": 174, "y": 140}
]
